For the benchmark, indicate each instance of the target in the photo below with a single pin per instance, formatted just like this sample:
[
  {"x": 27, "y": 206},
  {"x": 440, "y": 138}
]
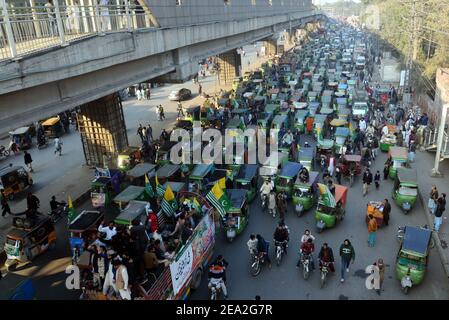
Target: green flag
[
  {"x": 148, "y": 188},
  {"x": 169, "y": 203},
  {"x": 219, "y": 199}
]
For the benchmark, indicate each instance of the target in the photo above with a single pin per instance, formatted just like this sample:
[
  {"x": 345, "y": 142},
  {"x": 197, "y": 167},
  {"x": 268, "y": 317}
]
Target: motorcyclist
[
  {"x": 306, "y": 236},
  {"x": 217, "y": 274},
  {"x": 326, "y": 255},
  {"x": 54, "y": 205},
  {"x": 252, "y": 245},
  {"x": 281, "y": 235},
  {"x": 272, "y": 203},
  {"x": 287, "y": 139},
  {"x": 266, "y": 188},
  {"x": 307, "y": 248},
  {"x": 262, "y": 249}
]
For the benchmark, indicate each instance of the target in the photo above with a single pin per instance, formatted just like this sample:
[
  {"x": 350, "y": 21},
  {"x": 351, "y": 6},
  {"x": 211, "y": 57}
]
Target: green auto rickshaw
[
  {"x": 102, "y": 190},
  {"x": 279, "y": 121},
  {"x": 163, "y": 152},
  {"x": 331, "y": 209},
  {"x": 237, "y": 215},
  {"x": 247, "y": 179},
  {"x": 287, "y": 177},
  {"x": 264, "y": 120},
  {"x": 300, "y": 120},
  {"x": 413, "y": 257},
  {"x": 399, "y": 158},
  {"x": 305, "y": 192},
  {"x": 270, "y": 167},
  {"x": 320, "y": 125},
  {"x": 134, "y": 210},
  {"x": 199, "y": 174},
  {"x": 129, "y": 194},
  {"x": 405, "y": 191},
  {"x": 341, "y": 136},
  {"x": 306, "y": 156}
]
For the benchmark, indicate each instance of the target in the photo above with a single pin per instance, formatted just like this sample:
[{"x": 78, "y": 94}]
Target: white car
[{"x": 360, "y": 63}]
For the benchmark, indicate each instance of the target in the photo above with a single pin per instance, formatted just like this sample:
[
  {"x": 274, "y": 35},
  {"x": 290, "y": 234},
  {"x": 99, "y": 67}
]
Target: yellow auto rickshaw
[
  {"x": 28, "y": 238},
  {"x": 14, "y": 179},
  {"x": 53, "y": 127}
]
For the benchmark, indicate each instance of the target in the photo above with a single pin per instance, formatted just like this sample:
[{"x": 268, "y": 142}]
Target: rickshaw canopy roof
[
  {"x": 407, "y": 176},
  {"x": 240, "y": 110},
  {"x": 132, "y": 211},
  {"x": 51, "y": 121},
  {"x": 85, "y": 220},
  {"x": 341, "y": 193},
  {"x": 338, "y": 122},
  {"x": 300, "y": 105},
  {"x": 326, "y": 111},
  {"x": 290, "y": 169},
  {"x": 312, "y": 94},
  {"x": 22, "y": 232},
  {"x": 301, "y": 114},
  {"x": 175, "y": 186},
  {"x": 167, "y": 170},
  {"x": 201, "y": 170},
  {"x": 19, "y": 131},
  {"x": 141, "y": 169},
  {"x": 416, "y": 240},
  {"x": 314, "y": 105},
  {"x": 342, "y": 132},
  {"x": 341, "y": 101},
  {"x": 234, "y": 122},
  {"x": 353, "y": 157},
  {"x": 237, "y": 197},
  {"x": 280, "y": 118},
  {"x": 247, "y": 172},
  {"x": 130, "y": 193},
  {"x": 325, "y": 143},
  {"x": 271, "y": 107},
  {"x": 9, "y": 169},
  {"x": 320, "y": 118},
  {"x": 313, "y": 178},
  {"x": 305, "y": 154},
  {"x": 264, "y": 116},
  {"x": 398, "y": 153}
]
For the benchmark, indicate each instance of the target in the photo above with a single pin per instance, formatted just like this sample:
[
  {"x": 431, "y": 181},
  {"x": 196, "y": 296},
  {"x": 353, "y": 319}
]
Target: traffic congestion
[{"x": 159, "y": 228}]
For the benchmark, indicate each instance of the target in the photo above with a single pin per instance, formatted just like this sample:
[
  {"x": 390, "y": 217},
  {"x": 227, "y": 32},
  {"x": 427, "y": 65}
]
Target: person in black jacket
[
  {"x": 367, "y": 180},
  {"x": 28, "y": 160},
  {"x": 326, "y": 255}
]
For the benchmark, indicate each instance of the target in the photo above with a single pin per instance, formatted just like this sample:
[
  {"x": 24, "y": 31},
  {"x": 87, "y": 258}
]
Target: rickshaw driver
[
  {"x": 339, "y": 210},
  {"x": 287, "y": 139},
  {"x": 281, "y": 235},
  {"x": 304, "y": 175},
  {"x": 266, "y": 188},
  {"x": 307, "y": 248}
]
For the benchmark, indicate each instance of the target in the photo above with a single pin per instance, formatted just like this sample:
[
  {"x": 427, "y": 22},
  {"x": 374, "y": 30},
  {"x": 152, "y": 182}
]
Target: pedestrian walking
[
  {"x": 140, "y": 132},
  {"x": 347, "y": 254},
  {"x": 412, "y": 151},
  {"x": 372, "y": 229},
  {"x": 180, "y": 110},
  {"x": 386, "y": 170},
  {"x": 433, "y": 197},
  {"x": 441, "y": 207},
  {"x": 200, "y": 89},
  {"x": 28, "y": 160},
  {"x": 367, "y": 180},
  {"x": 381, "y": 265},
  {"x": 5, "y": 205},
  {"x": 377, "y": 179},
  {"x": 386, "y": 211},
  {"x": 272, "y": 203},
  {"x": 161, "y": 108},
  {"x": 338, "y": 174},
  {"x": 281, "y": 205},
  {"x": 58, "y": 145},
  {"x": 149, "y": 134},
  {"x": 147, "y": 93}
]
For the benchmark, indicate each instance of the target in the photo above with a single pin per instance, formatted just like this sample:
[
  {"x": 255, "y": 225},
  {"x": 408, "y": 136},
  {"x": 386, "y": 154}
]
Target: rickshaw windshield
[
  {"x": 412, "y": 261},
  {"x": 408, "y": 191},
  {"x": 283, "y": 181},
  {"x": 303, "y": 192},
  {"x": 398, "y": 163},
  {"x": 12, "y": 242},
  {"x": 325, "y": 209}
]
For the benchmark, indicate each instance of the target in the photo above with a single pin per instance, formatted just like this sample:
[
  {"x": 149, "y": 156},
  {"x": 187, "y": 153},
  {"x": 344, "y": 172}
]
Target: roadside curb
[{"x": 436, "y": 238}]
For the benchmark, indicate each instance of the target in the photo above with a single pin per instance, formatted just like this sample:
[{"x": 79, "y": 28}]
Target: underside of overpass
[{"x": 59, "y": 78}]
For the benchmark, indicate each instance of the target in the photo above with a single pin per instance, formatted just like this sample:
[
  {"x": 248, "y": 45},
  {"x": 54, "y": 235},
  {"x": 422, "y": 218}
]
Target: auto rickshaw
[
  {"x": 286, "y": 178},
  {"x": 175, "y": 186},
  {"x": 169, "y": 172},
  {"x": 300, "y": 120},
  {"x": 331, "y": 209},
  {"x": 163, "y": 152},
  {"x": 199, "y": 174},
  {"x": 388, "y": 140},
  {"x": 28, "y": 238},
  {"x": 102, "y": 189},
  {"x": 405, "y": 191},
  {"x": 134, "y": 210},
  {"x": 375, "y": 208},
  {"x": 399, "y": 157},
  {"x": 14, "y": 179},
  {"x": 247, "y": 179},
  {"x": 360, "y": 109},
  {"x": 83, "y": 231},
  {"x": 137, "y": 174},
  {"x": 341, "y": 135},
  {"x": 312, "y": 96},
  {"x": 53, "y": 127},
  {"x": 270, "y": 167},
  {"x": 264, "y": 119},
  {"x": 413, "y": 257},
  {"x": 128, "y": 158},
  {"x": 350, "y": 167},
  {"x": 130, "y": 193},
  {"x": 320, "y": 125},
  {"x": 305, "y": 193},
  {"x": 22, "y": 137},
  {"x": 237, "y": 215},
  {"x": 278, "y": 121},
  {"x": 306, "y": 156},
  {"x": 324, "y": 148},
  {"x": 313, "y": 108},
  {"x": 272, "y": 108}
]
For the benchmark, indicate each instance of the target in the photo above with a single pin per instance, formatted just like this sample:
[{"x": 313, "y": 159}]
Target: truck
[
  {"x": 191, "y": 259},
  {"x": 390, "y": 71}
]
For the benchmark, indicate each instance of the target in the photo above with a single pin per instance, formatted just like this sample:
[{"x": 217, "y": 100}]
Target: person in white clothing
[
  {"x": 306, "y": 236},
  {"x": 252, "y": 244},
  {"x": 266, "y": 187},
  {"x": 362, "y": 125},
  {"x": 110, "y": 231},
  {"x": 385, "y": 130},
  {"x": 58, "y": 145},
  {"x": 117, "y": 279},
  {"x": 331, "y": 166}
]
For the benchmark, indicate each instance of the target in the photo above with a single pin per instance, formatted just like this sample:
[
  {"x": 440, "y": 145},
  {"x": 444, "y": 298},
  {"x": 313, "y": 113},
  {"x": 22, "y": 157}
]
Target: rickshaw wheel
[{"x": 405, "y": 290}]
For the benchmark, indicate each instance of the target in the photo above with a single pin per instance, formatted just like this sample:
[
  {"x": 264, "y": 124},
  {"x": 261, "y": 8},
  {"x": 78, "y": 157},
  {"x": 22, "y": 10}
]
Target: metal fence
[{"x": 24, "y": 30}]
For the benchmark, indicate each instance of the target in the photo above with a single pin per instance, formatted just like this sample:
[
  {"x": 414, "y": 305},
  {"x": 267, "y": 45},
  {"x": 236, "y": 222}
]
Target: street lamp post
[{"x": 435, "y": 171}]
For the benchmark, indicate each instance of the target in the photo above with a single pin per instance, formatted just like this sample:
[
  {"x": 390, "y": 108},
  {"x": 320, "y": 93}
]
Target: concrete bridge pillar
[
  {"x": 229, "y": 64},
  {"x": 102, "y": 129}
]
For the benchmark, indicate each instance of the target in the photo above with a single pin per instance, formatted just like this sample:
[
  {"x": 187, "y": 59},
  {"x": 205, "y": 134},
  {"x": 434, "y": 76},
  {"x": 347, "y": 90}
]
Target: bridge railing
[{"x": 25, "y": 30}]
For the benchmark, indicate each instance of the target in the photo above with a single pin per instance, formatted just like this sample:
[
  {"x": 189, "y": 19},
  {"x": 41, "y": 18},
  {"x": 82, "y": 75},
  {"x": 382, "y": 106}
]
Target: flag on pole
[
  {"x": 326, "y": 196},
  {"x": 159, "y": 188},
  {"x": 72, "y": 214},
  {"x": 169, "y": 203},
  {"x": 148, "y": 188},
  {"x": 219, "y": 199},
  {"x": 196, "y": 204}
]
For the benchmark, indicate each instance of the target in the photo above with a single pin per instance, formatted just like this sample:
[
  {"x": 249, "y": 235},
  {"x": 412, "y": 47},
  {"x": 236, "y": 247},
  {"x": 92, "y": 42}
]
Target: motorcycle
[
  {"x": 323, "y": 162},
  {"x": 256, "y": 266},
  {"x": 279, "y": 249},
  {"x": 4, "y": 152},
  {"x": 59, "y": 212},
  {"x": 324, "y": 272},
  {"x": 305, "y": 261},
  {"x": 215, "y": 288},
  {"x": 41, "y": 143},
  {"x": 406, "y": 282},
  {"x": 264, "y": 202}
]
